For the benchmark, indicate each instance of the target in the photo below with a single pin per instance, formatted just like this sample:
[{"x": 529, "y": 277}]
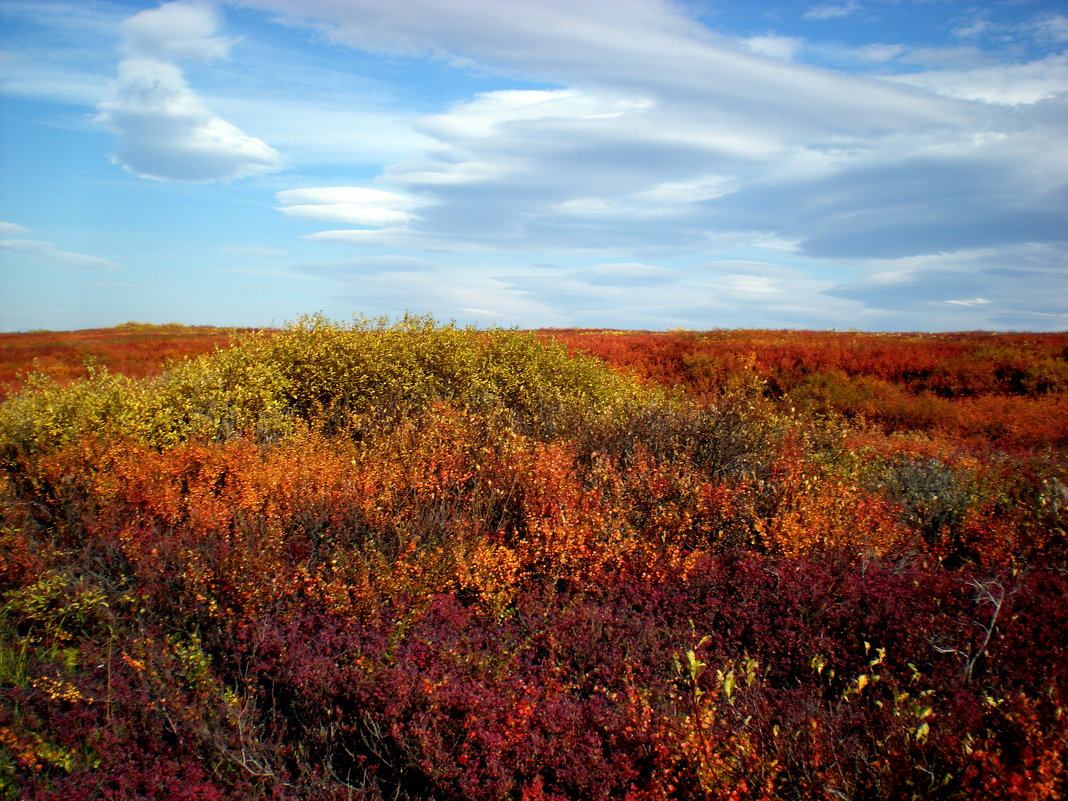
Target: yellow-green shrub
[
  {"x": 372, "y": 365},
  {"x": 320, "y": 369}
]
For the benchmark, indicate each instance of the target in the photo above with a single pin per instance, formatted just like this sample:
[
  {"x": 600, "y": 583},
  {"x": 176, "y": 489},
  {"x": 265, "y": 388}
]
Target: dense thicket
[{"x": 415, "y": 561}]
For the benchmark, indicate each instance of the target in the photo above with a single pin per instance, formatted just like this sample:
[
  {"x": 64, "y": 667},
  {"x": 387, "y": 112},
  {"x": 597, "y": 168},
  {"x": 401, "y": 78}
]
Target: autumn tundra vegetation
[{"x": 407, "y": 560}]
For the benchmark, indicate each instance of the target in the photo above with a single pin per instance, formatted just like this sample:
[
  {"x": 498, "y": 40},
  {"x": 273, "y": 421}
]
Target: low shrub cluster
[{"x": 413, "y": 561}]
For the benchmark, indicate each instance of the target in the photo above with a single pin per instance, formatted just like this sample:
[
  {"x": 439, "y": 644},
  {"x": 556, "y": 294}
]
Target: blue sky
[{"x": 641, "y": 164}]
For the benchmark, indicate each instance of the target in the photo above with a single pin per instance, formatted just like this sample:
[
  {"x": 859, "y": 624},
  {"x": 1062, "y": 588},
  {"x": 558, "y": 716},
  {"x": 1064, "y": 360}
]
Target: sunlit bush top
[{"x": 319, "y": 369}]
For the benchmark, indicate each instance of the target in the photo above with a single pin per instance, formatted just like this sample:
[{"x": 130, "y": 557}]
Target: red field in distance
[
  {"x": 1006, "y": 390},
  {"x": 133, "y": 349}
]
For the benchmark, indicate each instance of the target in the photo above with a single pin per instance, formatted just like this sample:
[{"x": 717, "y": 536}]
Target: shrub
[
  {"x": 934, "y": 498},
  {"x": 372, "y": 368},
  {"x": 318, "y": 369}
]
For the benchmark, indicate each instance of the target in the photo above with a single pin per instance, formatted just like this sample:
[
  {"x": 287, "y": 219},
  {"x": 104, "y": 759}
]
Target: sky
[{"x": 879, "y": 165}]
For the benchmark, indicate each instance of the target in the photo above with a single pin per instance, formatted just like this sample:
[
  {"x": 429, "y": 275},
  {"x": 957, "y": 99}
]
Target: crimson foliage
[{"x": 614, "y": 595}]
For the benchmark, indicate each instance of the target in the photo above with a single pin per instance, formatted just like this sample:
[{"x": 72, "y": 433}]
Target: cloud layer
[
  {"x": 662, "y": 142},
  {"x": 878, "y": 163}
]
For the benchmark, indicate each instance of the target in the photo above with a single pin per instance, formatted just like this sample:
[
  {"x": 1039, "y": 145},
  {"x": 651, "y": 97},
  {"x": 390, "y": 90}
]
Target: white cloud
[
  {"x": 831, "y": 11},
  {"x": 750, "y": 285},
  {"x": 355, "y": 213},
  {"x": 1047, "y": 29},
  {"x": 1051, "y": 28},
  {"x": 400, "y": 237},
  {"x": 1020, "y": 287},
  {"x": 165, "y": 130},
  {"x": 175, "y": 31},
  {"x": 348, "y": 204},
  {"x": 343, "y": 194},
  {"x": 653, "y": 101},
  {"x": 645, "y": 49},
  {"x": 700, "y": 187},
  {"x": 311, "y": 128},
  {"x": 974, "y": 29},
  {"x": 7, "y": 229},
  {"x": 748, "y": 267},
  {"x": 45, "y": 253},
  {"x": 731, "y": 294},
  {"x": 880, "y": 52},
  {"x": 168, "y": 133},
  {"x": 629, "y": 273},
  {"x": 780, "y": 47},
  {"x": 487, "y": 113},
  {"x": 463, "y": 292},
  {"x": 1008, "y": 84},
  {"x": 669, "y": 198}
]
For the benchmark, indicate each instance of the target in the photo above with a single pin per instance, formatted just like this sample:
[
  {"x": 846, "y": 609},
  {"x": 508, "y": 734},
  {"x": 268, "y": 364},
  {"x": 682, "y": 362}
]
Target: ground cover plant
[{"x": 415, "y": 561}]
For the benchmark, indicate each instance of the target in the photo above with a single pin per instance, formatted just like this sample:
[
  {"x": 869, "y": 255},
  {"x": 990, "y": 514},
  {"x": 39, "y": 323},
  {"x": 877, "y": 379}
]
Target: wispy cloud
[
  {"x": 395, "y": 282},
  {"x": 781, "y": 47},
  {"x": 58, "y": 50},
  {"x": 47, "y": 254},
  {"x": 348, "y": 204},
  {"x": 967, "y": 289},
  {"x": 831, "y": 10},
  {"x": 1047, "y": 29},
  {"x": 165, "y": 130},
  {"x": 668, "y": 163},
  {"x": 665, "y": 142},
  {"x": 641, "y": 112},
  {"x": 251, "y": 250},
  {"x": 1006, "y": 84}
]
